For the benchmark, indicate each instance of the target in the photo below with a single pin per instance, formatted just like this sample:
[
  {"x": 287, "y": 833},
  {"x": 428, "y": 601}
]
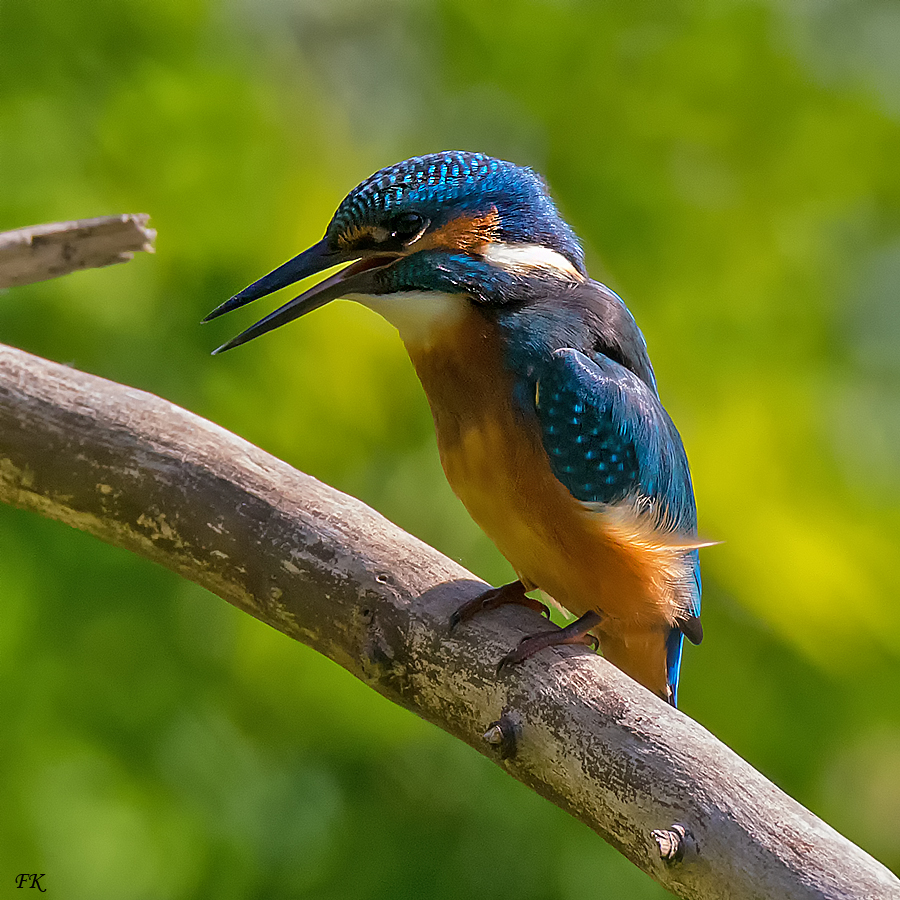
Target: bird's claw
[
  {"x": 576, "y": 633},
  {"x": 465, "y": 612},
  {"x": 514, "y": 592},
  {"x": 513, "y": 658}
]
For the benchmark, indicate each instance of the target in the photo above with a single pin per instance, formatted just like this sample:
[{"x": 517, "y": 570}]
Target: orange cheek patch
[{"x": 468, "y": 233}]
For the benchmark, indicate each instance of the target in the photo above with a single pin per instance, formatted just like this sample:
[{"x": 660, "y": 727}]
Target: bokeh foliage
[{"x": 732, "y": 166}]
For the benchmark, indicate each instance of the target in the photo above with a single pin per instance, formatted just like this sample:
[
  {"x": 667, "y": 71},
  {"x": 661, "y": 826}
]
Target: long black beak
[{"x": 353, "y": 279}]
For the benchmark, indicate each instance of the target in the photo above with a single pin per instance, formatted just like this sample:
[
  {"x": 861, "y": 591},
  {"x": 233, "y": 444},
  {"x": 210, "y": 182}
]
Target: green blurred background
[{"x": 734, "y": 170}]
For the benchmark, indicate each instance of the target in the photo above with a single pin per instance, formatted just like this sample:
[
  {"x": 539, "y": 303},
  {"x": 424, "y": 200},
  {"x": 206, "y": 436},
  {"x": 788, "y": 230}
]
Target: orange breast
[{"x": 495, "y": 462}]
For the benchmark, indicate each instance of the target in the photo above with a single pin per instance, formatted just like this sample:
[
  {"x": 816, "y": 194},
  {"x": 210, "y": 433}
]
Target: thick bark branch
[
  {"x": 324, "y": 569},
  {"x": 40, "y": 252}
]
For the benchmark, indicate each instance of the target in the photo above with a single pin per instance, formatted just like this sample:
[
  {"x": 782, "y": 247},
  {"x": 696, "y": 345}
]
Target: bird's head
[{"x": 452, "y": 224}]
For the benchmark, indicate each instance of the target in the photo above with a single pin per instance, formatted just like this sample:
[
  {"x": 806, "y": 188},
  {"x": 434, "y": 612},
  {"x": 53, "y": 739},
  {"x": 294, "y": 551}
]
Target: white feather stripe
[{"x": 523, "y": 258}]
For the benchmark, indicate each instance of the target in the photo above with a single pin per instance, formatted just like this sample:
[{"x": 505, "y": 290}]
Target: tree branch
[
  {"x": 40, "y": 252},
  {"x": 324, "y": 569}
]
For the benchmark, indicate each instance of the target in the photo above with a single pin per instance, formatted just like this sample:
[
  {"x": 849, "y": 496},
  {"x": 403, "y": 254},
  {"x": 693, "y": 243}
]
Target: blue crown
[{"x": 441, "y": 186}]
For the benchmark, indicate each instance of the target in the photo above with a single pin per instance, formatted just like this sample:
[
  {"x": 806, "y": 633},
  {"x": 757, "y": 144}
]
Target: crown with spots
[{"x": 442, "y": 185}]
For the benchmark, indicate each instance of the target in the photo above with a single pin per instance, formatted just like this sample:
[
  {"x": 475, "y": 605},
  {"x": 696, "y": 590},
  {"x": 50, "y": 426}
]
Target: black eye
[{"x": 406, "y": 227}]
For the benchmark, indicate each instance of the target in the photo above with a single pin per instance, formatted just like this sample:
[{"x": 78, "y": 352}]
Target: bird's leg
[
  {"x": 514, "y": 592},
  {"x": 576, "y": 633}
]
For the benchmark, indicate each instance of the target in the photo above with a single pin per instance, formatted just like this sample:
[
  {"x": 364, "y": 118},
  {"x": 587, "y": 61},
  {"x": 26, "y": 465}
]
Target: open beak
[{"x": 354, "y": 279}]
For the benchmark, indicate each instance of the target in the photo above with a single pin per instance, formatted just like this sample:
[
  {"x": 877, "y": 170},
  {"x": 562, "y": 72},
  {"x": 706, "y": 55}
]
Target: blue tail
[
  {"x": 674, "y": 646},
  {"x": 675, "y": 641}
]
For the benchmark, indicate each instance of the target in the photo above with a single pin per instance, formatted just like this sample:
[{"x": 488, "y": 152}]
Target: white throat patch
[{"x": 419, "y": 316}]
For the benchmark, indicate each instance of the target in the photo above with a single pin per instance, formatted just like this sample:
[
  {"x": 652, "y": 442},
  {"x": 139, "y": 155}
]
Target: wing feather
[{"x": 612, "y": 444}]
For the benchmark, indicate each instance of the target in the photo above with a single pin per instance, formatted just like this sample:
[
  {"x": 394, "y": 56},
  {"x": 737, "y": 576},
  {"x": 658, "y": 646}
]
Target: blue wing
[{"x": 608, "y": 437}]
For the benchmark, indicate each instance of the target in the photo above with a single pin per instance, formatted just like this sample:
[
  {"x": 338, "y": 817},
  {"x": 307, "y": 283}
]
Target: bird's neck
[
  {"x": 459, "y": 363},
  {"x": 464, "y": 375}
]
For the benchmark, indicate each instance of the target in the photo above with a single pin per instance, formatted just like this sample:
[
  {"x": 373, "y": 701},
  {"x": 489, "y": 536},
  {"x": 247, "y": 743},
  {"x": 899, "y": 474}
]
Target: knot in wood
[
  {"x": 504, "y": 735},
  {"x": 671, "y": 842}
]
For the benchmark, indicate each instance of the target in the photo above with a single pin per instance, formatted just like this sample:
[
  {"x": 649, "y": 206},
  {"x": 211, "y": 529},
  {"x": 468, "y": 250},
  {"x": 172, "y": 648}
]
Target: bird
[{"x": 545, "y": 404}]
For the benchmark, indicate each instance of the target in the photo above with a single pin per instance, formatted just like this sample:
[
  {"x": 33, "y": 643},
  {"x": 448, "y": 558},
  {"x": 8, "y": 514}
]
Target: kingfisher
[{"x": 548, "y": 419}]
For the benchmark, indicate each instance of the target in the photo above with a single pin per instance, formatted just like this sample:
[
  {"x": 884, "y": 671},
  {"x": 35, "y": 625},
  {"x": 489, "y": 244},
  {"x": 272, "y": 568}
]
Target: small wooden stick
[{"x": 39, "y": 252}]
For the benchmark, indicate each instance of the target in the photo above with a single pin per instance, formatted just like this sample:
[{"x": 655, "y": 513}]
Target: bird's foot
[
  {"x": 514, "y": 592},
  {"x": 576, "y": 633}
]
